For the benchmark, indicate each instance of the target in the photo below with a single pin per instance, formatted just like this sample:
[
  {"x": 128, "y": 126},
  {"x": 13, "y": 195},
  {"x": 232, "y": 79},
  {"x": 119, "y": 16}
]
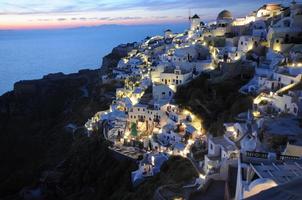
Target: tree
[{"x": 133, "y": 129}]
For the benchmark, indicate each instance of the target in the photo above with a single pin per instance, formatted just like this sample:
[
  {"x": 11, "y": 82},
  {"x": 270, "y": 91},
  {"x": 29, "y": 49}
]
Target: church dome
[{"x": 225, "y": 14}]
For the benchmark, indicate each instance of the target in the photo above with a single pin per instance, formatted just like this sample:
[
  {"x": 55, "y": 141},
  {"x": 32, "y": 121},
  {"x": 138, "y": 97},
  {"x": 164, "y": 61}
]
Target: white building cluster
[{"x": 144, "y": 114}]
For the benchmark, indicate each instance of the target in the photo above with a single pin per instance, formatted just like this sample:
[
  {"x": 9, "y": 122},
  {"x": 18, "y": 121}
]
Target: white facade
[
  {"x": 170, "y": 137},
  {"x": 259, "y": 29},
  {"x": 175, "y": 79},
  {"x": 144, "y": 113},
  {"x": 286, "y": 103},
  {"x": 161, "y": 91},
  {"x": 155, "y": 73},
  {"x": 247, "y": 43},
  {"x": 286, "y": 29},
  {"x": 195, "y": 22},
  {"x": 185, "y": 54},
  {"x": 219, "y": 149},
  {"x": 288, "y": 78}
]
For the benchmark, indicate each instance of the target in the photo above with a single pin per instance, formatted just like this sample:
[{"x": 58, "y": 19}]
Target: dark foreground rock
[
  {"x": 92, "y": 172},
  {"x": 34, "y": 120},
  {"x": 38, "y": 120}
]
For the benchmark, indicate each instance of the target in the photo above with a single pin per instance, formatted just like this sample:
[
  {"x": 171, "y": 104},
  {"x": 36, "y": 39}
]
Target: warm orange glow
[{"x": 55, "y": 24}]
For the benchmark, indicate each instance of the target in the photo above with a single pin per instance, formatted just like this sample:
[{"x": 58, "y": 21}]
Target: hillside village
[{"x": 261, "y": 148}]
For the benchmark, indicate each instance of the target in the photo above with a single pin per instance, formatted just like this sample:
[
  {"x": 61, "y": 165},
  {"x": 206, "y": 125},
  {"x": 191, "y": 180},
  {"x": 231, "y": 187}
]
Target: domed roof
[
  {"x": 225, "y": 14},
  {"x": 261, "y": 184}
]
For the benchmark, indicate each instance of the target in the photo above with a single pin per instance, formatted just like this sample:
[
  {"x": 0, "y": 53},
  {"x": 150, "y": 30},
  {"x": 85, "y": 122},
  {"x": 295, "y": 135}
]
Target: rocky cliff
[
  {"x": 45, "y": 154},
  {"x": 36, "y": 119},
  {"x": 109, "y": 61}
]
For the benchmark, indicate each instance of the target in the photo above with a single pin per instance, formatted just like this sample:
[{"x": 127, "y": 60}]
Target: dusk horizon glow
[{"x": 24, "y": 14}]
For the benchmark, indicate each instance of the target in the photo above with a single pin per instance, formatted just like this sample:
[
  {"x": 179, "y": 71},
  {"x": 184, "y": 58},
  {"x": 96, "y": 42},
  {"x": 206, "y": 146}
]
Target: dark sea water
[{"x": 31, "y": 54}]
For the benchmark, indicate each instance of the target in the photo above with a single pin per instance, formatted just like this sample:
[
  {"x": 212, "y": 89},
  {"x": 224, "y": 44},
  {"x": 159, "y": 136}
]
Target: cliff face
[
  {"x": 42, "y": 158},
  {"x": 34, "y": 117},
  {"x": 110, "y": 61},
  {"x": 215, "y": 103}
]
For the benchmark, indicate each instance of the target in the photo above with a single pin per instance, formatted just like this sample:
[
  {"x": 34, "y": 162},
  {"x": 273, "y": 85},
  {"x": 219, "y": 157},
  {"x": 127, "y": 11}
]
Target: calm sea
[{"x": 31, "y": 54}]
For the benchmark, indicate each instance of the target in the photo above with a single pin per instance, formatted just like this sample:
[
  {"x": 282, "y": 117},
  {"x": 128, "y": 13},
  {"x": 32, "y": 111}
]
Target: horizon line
[{"x": 66, "y": 27}]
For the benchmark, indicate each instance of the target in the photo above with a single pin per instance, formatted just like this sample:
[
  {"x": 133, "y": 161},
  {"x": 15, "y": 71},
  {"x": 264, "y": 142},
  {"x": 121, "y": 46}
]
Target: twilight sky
[{"x": 32, "y": 14}]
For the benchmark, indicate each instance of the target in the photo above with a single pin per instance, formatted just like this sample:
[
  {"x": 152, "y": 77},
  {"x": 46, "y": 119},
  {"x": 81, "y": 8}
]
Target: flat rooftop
[
  {"x": 280, "y": 173},
  {"x": 228, "y": 145}
]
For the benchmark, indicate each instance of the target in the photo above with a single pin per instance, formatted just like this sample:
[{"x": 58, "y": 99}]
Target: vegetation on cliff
[{"x": 215, "y": 103}]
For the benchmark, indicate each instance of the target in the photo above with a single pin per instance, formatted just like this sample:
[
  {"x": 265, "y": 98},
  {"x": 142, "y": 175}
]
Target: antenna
[{"x": 189, "y": 12}]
